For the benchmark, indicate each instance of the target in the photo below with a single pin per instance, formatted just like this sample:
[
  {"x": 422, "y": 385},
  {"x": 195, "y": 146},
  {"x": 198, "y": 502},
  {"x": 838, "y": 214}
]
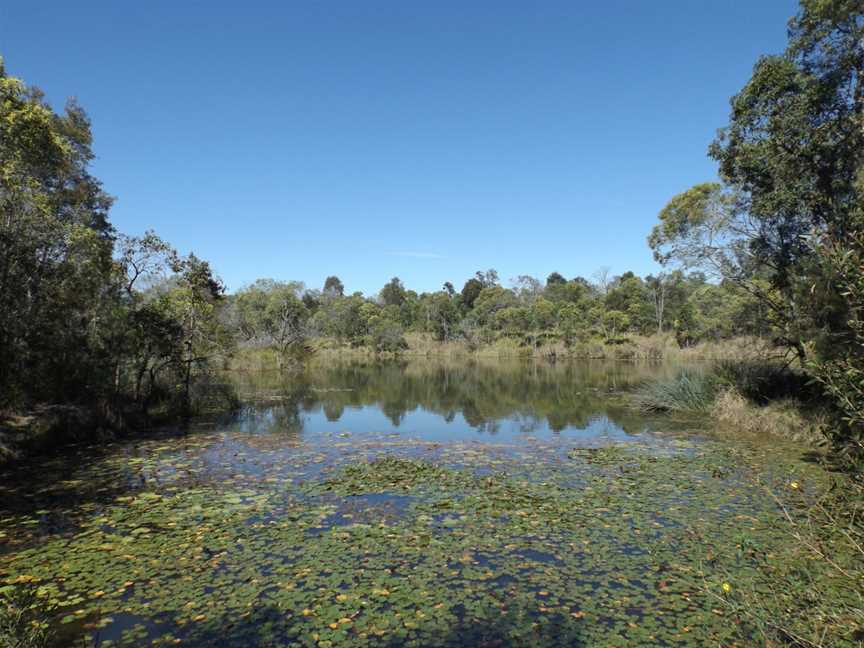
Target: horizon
[{"x": 370, "y": 142}]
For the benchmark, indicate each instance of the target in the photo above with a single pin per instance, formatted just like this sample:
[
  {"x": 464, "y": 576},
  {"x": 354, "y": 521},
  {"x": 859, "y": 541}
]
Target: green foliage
[
  {"x": 386, "y": 335},
  {"x": 271, "y": 313},
  {"x": 333, "y": 287},
  {"x": 807, "y": 592},
  {"x": 689, "y": 391},
  {"x": 470, "y": 291},
  {"x": 440, "y": 314},
  {"x": 55, "y": 250},
  {"x": 393, "y": 293},
  {"x": 763, "y": 382},
  {"x": 377, "y": 540},
  {"x": 555, "y": 279},
  {"x": 839, "y": 366},
  {"x": 787, "y": 222},
  {"x": 21, "y": 625},
  {"x": 86, "y": 316}
]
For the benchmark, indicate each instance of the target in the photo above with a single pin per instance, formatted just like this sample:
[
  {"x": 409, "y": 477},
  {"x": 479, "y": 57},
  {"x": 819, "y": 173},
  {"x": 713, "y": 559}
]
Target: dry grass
[
  {"x": 422, "y": 345},
  {"x": 781, "y": 418}
]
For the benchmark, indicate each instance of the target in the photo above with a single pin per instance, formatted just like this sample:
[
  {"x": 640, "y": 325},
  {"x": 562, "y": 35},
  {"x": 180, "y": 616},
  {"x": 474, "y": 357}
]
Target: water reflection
[{"x": 449, "y": 400}]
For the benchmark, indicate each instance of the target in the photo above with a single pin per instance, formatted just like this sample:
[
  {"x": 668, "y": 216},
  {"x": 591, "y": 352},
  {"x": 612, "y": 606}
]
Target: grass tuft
[{"x": 688, "y": 391}]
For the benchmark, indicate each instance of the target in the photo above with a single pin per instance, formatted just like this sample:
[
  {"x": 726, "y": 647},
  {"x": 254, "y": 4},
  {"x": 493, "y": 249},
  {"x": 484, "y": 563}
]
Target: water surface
[{"x": 422, "y": 503}]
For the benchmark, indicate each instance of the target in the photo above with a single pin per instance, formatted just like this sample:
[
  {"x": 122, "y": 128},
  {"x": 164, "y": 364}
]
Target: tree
[
  {"x": 659, "y": 287},
  {"x": 271, "y": 313},
  {"x": 791, "y": 160},
  {"x": 629, "y": 295},
  {"x": 601, "y": 277},
  {"x": 527, "y": 288},
  {"x": 572, "y": 323},
  {"x": 393, "y": 293},
  {"x": 192, "y": 301},
  {"x": 488, "y": 278},
  {"x": 333, "y": 287},
  {"x": 614, "y": 322},
  {"x": 441, "y": 315},
  {"x": 470, "y": 291},
  {"x": 542, "y": 315},
  {"x": 55, "y": 248},
  {"x": 554, "y": 279},
  {"x": 569, "y": 291},
  {"x": 512, "y": 320},
  {"x": 491, "y": 300}
]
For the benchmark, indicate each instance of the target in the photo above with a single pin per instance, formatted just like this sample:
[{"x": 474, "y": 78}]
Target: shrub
[
  {"x": 765, "y": 382},
  {"x": 387, "y": 336},
  {"x": 808, "y": 592}
]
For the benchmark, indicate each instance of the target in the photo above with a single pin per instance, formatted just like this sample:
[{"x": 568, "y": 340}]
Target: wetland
[{"x": 419, "y": 503}]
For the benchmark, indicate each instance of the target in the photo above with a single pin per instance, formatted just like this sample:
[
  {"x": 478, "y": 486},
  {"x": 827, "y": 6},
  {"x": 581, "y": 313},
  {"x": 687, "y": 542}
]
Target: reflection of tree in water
[
  {"x": 395, "y": 411},
  {"x": 333, "y": 411},
  {"x": 278, "y": 402},
  {"x": 530, "y": 393}
]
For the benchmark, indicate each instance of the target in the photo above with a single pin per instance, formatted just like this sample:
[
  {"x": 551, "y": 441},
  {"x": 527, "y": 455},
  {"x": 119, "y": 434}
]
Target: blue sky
[{"x": 370, "y": 139}]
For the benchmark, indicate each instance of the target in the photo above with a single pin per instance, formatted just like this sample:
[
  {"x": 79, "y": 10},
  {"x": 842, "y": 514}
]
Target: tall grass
[
  {"x": 688, "y": 391},
  {"x": 21, "y": 626},
  {"x": 781, "y": 418}
]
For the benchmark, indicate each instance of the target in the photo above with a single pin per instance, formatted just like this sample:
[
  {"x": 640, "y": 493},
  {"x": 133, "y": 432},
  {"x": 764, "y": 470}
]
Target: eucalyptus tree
[
  {"x": 441, "y": 315},
  {"x": 393, "y": 293},
  {"x": 55, "y": 247},
  {"x": 555, "y": 278},
  {"x": 527, "y": 288},
  {"x": 333, "y": 287},
  {"x": 470, "y": 291},
  {"x": 272, "y": 313},
  {"x": 791, "y": 164}
]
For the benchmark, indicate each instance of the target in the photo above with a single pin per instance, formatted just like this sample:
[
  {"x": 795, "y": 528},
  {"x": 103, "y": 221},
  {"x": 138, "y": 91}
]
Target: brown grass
[
  {"x": 422, "y": 345},
  {"x": 780, "y": 418}
]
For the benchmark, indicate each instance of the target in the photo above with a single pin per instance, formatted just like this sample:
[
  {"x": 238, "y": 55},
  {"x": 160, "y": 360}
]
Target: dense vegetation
[
  {"x": 86, "y": 315},
  {"x": 786, "y": 222},
  {"x": 531, "y": 312}
]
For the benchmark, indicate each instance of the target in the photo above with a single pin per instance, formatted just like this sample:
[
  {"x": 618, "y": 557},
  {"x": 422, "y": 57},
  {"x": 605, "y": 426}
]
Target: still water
[
  {"x": 421, "y": 503},
  {"x": 491, "y": 402}
]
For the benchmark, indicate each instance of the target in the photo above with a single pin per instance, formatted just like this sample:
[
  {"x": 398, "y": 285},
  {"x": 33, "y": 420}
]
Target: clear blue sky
[{"x": 421, "y": 139}]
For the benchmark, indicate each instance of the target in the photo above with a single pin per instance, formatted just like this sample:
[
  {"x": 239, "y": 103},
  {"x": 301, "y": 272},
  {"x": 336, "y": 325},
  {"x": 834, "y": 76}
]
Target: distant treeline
[{"x": 286, "y": 315}]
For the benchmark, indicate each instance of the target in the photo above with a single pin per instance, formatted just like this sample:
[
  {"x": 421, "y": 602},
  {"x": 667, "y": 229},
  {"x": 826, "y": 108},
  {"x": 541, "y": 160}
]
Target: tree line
[{"x": 286, "y": 315}]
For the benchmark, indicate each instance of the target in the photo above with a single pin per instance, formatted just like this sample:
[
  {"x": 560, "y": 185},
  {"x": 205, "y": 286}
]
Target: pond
[{"x": 423, "y": 503}]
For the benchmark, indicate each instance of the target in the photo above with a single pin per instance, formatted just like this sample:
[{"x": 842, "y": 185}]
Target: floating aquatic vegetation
[{"x": 234, "y": 538}]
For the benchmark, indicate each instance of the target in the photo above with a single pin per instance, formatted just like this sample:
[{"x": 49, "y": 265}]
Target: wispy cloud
[{"x": 418, "y": 255}]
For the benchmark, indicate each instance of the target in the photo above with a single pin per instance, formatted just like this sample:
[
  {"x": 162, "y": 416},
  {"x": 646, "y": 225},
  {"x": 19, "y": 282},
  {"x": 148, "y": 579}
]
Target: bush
[
  {"x": 689, "y": 391},
  {"x": 387, "y": 336}
]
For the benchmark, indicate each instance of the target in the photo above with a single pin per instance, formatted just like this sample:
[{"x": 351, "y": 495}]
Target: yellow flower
[
  {"x": 793, "y": 484},
  {"x": 726, "y": 587}
]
